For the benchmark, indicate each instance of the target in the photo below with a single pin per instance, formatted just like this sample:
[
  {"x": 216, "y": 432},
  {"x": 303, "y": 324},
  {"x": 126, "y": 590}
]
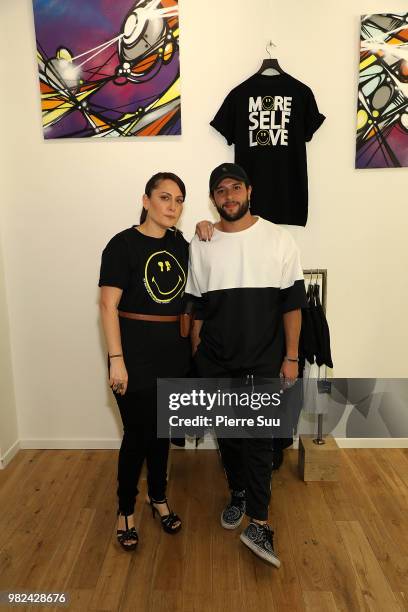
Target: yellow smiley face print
[
  {"x": 164, "y": 278},
  {"x": 263, "y": 137},
  {"x": 268, "y": 102}
]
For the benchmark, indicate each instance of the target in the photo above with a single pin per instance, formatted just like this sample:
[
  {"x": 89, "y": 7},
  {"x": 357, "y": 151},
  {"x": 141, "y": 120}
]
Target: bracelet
[
  {"x": 292, "y": 359},
  {"x": 112, "y": 356}
]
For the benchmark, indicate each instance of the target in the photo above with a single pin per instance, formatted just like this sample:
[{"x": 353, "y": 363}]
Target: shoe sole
[
  {"x": 228, "y": 525},
  {"x": 259, "y": 553}
]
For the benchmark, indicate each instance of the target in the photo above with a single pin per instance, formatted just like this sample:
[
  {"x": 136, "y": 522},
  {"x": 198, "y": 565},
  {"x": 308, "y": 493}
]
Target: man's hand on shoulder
[{"x": 204, "y": 230}]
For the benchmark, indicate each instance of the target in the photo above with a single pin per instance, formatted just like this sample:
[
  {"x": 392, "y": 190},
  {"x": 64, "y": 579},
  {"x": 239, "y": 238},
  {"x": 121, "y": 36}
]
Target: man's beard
[{"x": 242, "y": 210}]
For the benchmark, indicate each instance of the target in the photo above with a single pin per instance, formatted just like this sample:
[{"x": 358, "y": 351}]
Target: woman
[{"x": 142, "y": 279}]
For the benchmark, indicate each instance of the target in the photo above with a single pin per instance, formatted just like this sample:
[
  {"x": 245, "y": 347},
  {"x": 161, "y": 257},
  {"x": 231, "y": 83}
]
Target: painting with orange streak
[{"x": 108, "y": 69}]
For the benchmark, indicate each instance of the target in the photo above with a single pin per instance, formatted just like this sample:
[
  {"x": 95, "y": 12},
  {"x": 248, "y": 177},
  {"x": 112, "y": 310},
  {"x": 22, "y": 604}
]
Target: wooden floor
[{"x": 343, "y": 546}]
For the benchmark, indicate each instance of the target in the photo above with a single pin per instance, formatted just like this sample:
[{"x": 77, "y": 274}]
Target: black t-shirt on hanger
[{"x": 269, "y": 119}]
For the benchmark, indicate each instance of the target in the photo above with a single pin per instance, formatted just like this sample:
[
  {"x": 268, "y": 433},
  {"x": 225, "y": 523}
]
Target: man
[{"x": 247, "y": 283}]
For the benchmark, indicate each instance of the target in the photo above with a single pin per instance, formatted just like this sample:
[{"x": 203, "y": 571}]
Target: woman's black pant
[{"x": 140, "y": 442}]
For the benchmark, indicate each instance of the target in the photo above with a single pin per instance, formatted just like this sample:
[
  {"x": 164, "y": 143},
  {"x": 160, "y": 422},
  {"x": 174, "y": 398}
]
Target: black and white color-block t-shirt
[
  {"x": 242, "y": 283},
  {"x": 269, "y": 119}
]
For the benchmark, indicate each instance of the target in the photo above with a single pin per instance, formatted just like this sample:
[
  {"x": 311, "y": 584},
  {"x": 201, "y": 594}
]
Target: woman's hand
[
  {"x": 118, "y": 376},
  {"x": 204, "y": 230}
]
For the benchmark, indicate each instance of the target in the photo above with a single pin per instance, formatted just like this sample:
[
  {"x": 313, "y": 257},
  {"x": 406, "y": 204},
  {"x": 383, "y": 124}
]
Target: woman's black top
[{"x": 152, "y": 273}]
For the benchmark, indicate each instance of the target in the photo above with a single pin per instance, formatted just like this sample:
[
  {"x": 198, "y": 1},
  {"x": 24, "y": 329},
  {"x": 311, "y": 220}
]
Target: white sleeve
[
  {"x": 193, "y": 284},
  {"x": 292, "y": 287},
  {"x": 292, "y": 268}
]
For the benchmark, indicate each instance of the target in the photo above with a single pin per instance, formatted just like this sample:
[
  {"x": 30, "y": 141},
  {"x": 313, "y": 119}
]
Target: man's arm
[
  {"x": 292, "y": 322},
  {"x": 195, "y": 335}
]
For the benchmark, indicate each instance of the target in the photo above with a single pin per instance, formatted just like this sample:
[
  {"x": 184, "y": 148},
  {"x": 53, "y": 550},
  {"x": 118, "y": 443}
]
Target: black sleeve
[
  {"x": 196, "y": 302},
  {"x": 313, "y": 119},
  {"x": 185, "y": 245},
  {"x": 187, "y": 305},
  {"x": 293, "y": 297},
  {"x": 224, "y": 120},
  {"x": 115, "y": 265},
  {"x": 196, "y": 306}
]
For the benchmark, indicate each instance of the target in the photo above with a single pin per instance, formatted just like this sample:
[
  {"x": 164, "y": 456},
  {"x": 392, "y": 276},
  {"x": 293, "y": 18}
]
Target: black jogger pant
[
  {"x": 138, "y": 412},
  {"x": 248, "y": 465},
  {"x": 247, "y": 462}
]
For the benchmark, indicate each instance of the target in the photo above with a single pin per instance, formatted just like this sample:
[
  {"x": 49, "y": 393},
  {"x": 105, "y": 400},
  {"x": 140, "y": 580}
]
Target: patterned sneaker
[
  {"x": 233, "y": 513},
  {"x": 259, "y": 538}
]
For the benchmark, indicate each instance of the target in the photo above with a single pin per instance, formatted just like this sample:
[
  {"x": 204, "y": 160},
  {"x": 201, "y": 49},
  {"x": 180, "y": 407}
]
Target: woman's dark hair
[{"x": 154, "y": 182}]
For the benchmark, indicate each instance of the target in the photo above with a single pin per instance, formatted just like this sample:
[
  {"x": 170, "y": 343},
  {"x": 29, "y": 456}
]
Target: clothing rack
[{"x": 323, "y": 273}]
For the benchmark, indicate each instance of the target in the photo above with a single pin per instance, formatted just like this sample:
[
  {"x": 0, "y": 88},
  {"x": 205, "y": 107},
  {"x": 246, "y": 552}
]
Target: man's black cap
[{"x": 227, "y": 170}]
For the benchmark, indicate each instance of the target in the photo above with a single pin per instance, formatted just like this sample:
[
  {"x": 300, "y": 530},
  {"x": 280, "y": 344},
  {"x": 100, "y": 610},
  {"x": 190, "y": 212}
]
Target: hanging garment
[
  {"x": 307, "y": 341},
  {"x": 269, "y": 119},
  {"x": 321, "y": 329}
]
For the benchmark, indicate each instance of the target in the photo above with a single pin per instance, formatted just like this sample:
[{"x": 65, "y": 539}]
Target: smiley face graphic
[
  {"x": 263, "y": 137},
  {"x": 268, "y": 102},
  {"x": 164, "y": 278}
]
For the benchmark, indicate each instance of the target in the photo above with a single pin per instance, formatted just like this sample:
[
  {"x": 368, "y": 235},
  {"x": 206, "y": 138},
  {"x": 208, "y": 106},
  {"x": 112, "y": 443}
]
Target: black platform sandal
[
  {"x": 126, "y": 535},
  {"x": 168, "y": 520}
]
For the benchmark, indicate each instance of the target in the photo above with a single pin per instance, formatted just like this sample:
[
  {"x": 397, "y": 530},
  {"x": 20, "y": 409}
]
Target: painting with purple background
[{"x": 108, "y": 69}]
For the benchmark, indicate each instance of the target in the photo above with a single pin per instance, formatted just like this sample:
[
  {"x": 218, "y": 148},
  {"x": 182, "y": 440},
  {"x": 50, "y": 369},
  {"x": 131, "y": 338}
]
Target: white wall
[
  {"x": 64, "y": 199},
  {"x": 8, "y": 413}
]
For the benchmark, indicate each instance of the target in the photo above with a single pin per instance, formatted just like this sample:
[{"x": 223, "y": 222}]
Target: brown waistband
[{"x": 146, "y": 317}]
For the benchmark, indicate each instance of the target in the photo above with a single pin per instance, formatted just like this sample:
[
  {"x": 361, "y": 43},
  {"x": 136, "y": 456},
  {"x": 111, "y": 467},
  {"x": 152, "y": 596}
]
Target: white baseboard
[
  {"x": 366, "y": 443},
  {"x": 208, "y": 443},
  {"x": 9, "y": 455},
  {"x": 102, "y": 444},
  {"x": 341, "y": 442}
]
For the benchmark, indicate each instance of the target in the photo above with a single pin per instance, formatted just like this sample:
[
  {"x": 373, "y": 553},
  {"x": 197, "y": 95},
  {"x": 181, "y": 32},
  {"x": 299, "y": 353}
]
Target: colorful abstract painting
[
  {"x": 382, "y": 114},
  {"x": 108, "y": 68}
]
